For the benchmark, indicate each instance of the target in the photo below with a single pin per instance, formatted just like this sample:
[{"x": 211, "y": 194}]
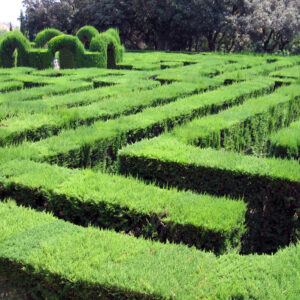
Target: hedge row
[
  {"x": 57, "y": 87},
  {"x": 24, "y": 126},
  {"x": 65, "y": 101},
  {"x": 263, "y": 69},
  {"x": 286, "y": 142},
  {"x": 243, "y": 68},
  {"x": 86, "y": 34},
  {"x": 245, "y": 127},
  {"x": 10, "y": 86},
  {"x": 38, "y": 251},
  {"x": 99, "y": 143},
  {"x": 271, "y": 187},
  {"x": 43, "y": 37},
  {"x": 124, "y": 204},
  {"x": 213, "y": 65},
  {"x": 293, "y": 72},
  {"x": 105, "y": 50},
  {"x": 11, "y": 41}
]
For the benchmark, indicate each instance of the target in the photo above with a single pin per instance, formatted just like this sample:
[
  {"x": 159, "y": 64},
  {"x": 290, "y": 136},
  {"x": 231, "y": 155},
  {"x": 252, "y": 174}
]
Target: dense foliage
[
  {"x": 230, "y": 25},
  {"x": 124, "y": 151},
  {"x": 103, "y": 49}
]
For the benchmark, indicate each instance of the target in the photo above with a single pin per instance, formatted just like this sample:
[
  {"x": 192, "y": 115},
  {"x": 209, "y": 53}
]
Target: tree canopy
[{"x": 229, "y": 25}]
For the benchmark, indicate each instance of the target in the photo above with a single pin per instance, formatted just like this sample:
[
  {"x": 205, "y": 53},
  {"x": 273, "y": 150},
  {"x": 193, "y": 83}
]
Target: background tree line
[{"x": 194, "y": 25}]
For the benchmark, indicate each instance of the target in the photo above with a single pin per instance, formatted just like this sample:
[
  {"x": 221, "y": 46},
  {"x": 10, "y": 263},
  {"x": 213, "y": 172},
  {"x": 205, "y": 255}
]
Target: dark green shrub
[
  {"x": 68, "y": 44},
  {"x": 107, "y": 45},
  {"x": 115, "y": 33},
  {"x": 71, "y": 49},
  {"x": 11, "y": 41},
  {"x": 94, "y": 59},
  {"x": 85, "y": 35},
  {"x": 40, "y": 58},
  {"x": 45, "y": 36},
  {"x": 270, "y": 187},
  {"x": 66, "y": 59}
]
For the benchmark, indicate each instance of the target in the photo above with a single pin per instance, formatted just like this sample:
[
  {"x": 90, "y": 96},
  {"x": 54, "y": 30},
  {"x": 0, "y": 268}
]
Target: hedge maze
[
  {"x": 87, "y": 49},
  {"x": 164, "y": 176}
]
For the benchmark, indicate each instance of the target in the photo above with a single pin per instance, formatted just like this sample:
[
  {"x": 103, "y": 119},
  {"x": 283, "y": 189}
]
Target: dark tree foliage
[{"x": 228, "y": 25}]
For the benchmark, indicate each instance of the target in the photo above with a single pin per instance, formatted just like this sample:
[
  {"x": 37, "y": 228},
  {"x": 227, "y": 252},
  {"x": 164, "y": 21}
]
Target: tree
[
  {"x": 232, "y": 25},
  {"x": 272, "y": 24},
  {"x": 41, "y": 14},
  {"x": 22, "y": 22}
]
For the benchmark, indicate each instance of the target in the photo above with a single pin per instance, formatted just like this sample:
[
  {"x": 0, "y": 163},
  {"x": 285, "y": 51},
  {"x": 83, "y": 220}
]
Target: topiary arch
[
  {"x": 85, "y": 35},
  {"x": 14, "y": 40},
  {"x": 71, "y": 51},
  {"x": 45, "y": 36},
  {"x": 105, "y": 49}
]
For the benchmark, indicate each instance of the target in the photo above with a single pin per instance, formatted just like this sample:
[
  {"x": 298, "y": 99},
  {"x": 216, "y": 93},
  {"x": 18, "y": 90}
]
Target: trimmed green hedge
[
  {"x": 44, "y": 36},
  {"x": 71, "y": 51},
  {"x": 99, "y": 143},
  {"x": 126, "y": 86},
  {"x": 108, "y": 45},
  {"x": 8, "y": 86},
  {"x": 105, "y": 51},
  {"x": 286, "y": 142},
  {"x": 10, "y": 42},
  {"x": 85, "y": 35},
  {"x": 86, "y": 197},
  {"x": 271, "y": 187},
  {"x": 244, "y": 127},
  {"x": 293, "y": 72},
  {"x": 56, "y": 86},
  {"x": 15, "y": 129},
  {"x": 37, "y": 252},
  {"x": 40, "y": 59}
]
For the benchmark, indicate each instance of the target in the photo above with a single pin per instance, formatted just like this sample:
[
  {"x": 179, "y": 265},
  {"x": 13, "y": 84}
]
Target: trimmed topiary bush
[
  {"x": 40, "y": 58},
  {"x": 11, "y": 41},
  {"x": 85, "y": 35},
  {"x": 71, "y": 51},
  {"x": 45, "y": 36},
  {"x": 106, "y": 44},
  {"x": 105, "y": 50}
]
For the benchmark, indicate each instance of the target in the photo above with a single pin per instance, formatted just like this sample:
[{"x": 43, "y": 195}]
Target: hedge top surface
[
  {"x": 206, "y": 126},
  {"x": 180, "y": 207},
  {"x": 115, "y": 262},
  {"x": 168, "y": 148},
  {"x": 44, "y": 36},
  {"x": 86, "y": 33}
]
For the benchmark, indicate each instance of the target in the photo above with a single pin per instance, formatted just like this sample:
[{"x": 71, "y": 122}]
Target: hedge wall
[
  {"x": 285, "y": 143},
  {"x": 269, "y": 187},
  {"x": 38, "y": 253},
  {"x": 45, "y": 36},
  {"x": 203, "y": 221},
  {"x": 11, "y": 41},
  {"x": 85, "y": 35},
  {"x": 105, "y": 49}
]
